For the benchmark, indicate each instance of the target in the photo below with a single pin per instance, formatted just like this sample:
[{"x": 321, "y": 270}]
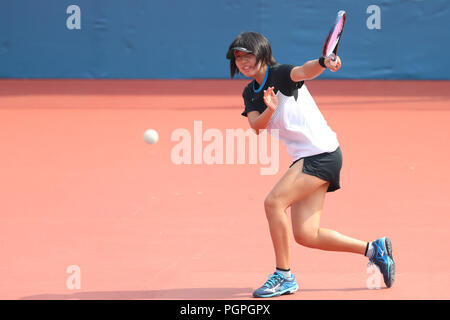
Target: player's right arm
[
  {"x": 312, "y": 69},
  {"x": 308, "y": 71}
]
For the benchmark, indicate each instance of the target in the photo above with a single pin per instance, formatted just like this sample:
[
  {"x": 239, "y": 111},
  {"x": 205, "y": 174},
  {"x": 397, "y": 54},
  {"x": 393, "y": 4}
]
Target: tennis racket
[{"x": 334, "y": 36}]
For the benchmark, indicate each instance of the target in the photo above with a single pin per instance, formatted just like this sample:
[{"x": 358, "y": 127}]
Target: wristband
[{"x": 322, "y": 62}]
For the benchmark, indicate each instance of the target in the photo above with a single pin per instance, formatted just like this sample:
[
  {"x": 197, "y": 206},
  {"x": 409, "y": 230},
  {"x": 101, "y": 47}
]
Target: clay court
[{"x": 80, "y": 187}]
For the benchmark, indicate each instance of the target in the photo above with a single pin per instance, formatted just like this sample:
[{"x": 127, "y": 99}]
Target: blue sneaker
[
  {"x": 276, "y": 285},
  {"x": 382, "y": 258}
]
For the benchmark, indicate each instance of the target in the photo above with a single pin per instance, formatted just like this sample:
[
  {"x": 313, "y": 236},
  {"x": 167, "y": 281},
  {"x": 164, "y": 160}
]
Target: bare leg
[
  {"x": 305, "y": 215},
  {"x": 293, "y": 186}
]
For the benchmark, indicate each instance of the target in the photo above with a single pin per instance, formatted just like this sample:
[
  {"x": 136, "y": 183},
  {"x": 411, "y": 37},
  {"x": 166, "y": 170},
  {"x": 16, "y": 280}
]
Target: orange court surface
[{"x": 80, "y": 187}]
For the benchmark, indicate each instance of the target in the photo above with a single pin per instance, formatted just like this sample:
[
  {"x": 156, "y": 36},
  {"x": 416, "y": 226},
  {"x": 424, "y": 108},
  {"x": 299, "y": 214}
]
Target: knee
[
  {"x": 271, "y": 205},
  {"x": 269, "y": 202},
  {"x": 306, "y": 237}
]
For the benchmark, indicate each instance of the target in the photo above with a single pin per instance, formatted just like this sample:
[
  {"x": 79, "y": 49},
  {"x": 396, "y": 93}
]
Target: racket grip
[{"x": 333, "y": 61}]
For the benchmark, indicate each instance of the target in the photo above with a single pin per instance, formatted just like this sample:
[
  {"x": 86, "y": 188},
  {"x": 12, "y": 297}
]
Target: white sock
[
  {"x": 369, "y": 252},
  {"x": 286, "y": 274}
]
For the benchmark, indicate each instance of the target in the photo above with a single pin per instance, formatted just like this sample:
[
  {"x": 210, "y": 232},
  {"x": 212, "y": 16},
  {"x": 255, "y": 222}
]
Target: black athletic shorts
[{"x": 326, "y": 166}]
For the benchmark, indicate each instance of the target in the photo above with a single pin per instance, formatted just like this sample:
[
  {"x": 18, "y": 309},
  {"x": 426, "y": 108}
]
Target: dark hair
[{"x": 254, "y": 42}]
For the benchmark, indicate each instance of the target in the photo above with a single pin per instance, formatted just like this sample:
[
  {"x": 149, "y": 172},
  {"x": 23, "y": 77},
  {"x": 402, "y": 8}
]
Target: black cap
[{"x": 230, "y": 53}]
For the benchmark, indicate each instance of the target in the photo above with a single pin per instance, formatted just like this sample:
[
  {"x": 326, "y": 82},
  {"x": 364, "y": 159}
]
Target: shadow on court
[
  {"x": 182, "y": 293},
  {"x": 339, "y": 289}
]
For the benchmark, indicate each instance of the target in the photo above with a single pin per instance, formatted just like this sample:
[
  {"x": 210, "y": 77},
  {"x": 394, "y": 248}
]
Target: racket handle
[{"x": 333, "y": 59}]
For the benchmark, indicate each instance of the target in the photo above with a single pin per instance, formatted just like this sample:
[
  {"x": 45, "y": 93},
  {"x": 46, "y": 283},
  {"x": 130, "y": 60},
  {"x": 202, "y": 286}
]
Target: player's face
[{"x": 246, "y": 63}]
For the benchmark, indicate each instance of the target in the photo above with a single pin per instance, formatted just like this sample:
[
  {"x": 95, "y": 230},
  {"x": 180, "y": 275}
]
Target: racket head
[{"x": 334, "y": 36}]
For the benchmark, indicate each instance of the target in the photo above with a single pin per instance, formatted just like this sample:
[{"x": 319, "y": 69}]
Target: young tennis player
[{"x": 277, "y": 98}]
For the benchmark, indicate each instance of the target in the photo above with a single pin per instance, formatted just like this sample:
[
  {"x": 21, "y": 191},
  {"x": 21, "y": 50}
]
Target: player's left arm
[{"x": 312, "y": 69}]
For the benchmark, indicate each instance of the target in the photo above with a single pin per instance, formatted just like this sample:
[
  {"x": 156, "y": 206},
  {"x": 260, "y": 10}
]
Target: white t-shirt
[{"x": 301, "y": 125}]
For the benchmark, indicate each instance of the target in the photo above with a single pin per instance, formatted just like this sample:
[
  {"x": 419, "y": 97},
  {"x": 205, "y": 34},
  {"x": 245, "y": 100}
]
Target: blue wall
[{"x": 188, "y": 39}]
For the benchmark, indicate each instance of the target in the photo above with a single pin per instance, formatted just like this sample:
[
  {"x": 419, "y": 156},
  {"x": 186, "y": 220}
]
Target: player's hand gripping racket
[{"x": 331, "y": 44}]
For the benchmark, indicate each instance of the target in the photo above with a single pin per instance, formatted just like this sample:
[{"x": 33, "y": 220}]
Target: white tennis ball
[{"x": 151, "y": 136}]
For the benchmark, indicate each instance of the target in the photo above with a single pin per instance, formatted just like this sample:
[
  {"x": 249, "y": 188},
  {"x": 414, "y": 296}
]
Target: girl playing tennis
[{"x": 277, "y": 98}]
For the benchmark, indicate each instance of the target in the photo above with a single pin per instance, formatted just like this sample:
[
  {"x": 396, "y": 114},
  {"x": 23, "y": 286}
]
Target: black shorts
[{"x": 326, "y": 166}]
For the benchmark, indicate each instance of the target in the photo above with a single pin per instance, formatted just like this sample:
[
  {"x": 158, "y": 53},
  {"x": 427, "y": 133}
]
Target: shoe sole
[
  {"x": 277, "y": 294},
  {"x": 389, "y": 282}
]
